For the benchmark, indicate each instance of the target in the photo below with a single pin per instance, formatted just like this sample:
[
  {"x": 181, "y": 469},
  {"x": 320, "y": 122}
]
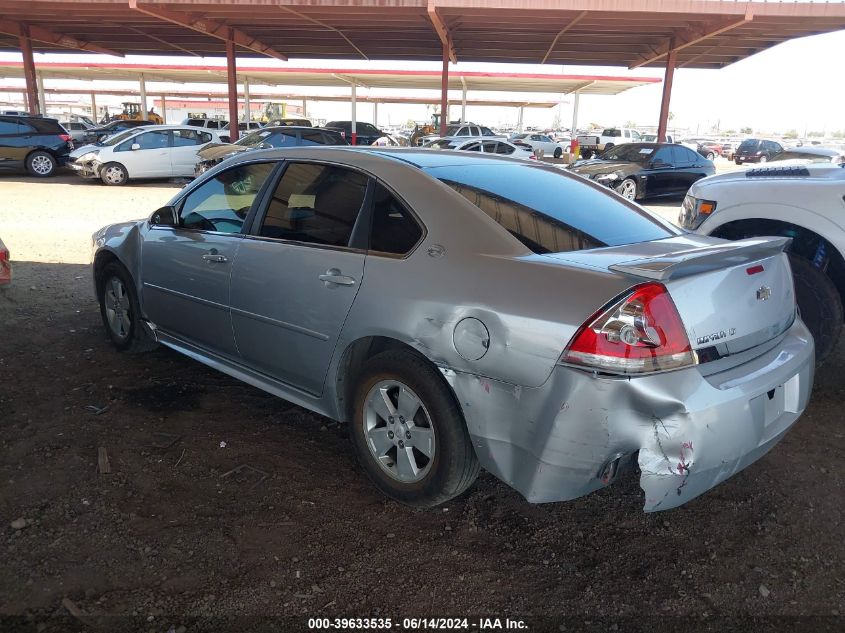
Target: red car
[{"x": 5, "y": 265}]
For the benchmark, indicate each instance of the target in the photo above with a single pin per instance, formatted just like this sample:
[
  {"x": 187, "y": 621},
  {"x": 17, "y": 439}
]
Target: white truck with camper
[
  {"x": 590, "y": 144},
  {"x": 805, "y": 203}
]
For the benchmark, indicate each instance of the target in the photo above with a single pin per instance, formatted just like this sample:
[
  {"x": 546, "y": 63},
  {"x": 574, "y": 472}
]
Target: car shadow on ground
[{"x": 67, "y": 176}]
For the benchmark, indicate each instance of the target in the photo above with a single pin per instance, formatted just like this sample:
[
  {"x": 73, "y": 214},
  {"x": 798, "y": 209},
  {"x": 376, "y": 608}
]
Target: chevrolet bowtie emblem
[{"x": 763, "y": 293}]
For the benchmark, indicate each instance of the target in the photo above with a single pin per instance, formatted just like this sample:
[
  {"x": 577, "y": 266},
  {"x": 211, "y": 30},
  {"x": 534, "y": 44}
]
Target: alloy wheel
[
  {"x": 628, "y": 189},
  {"x": 117, "y": 305},
  {"x": 398, "y": 431},
  {"x": 42, "y": 165}
]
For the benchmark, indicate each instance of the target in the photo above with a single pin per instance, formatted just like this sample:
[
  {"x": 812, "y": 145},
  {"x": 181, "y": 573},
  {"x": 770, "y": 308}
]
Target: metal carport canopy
[
  {"x": 336, "y": 77},
  {"x": 633, "y": 33}
]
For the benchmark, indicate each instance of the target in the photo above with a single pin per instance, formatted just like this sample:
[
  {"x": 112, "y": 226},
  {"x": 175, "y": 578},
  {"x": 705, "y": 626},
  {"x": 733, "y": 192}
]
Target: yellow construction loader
[{"x": 133, "y": 112}]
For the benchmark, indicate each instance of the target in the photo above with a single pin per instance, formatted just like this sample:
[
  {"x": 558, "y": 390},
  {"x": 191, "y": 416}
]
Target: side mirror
[
  {"x": 135, "y": 147},
  {"x": 166, "y": 216}
]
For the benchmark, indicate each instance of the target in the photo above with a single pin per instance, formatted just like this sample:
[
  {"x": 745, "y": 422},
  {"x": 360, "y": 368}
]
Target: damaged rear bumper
[{"x": 690, "y": 431}]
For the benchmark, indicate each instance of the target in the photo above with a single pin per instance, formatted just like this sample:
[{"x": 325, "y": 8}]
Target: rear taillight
[
  {"x": 5, "y": 267},
  {"x": 641, "y": 332},
  {"x": 65, "y": 137}
]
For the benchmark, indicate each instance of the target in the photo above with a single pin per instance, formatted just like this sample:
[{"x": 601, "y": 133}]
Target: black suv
[
  {"x": 365, "y": 133},
  {"x": 36, "y": 144},
  {"x": 265, "y": 138},
  {"x": 754, "y": 150}
]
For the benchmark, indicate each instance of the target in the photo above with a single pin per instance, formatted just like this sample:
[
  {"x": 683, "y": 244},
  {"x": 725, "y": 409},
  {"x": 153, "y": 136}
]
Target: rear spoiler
[{"x": 704, "y": 259}]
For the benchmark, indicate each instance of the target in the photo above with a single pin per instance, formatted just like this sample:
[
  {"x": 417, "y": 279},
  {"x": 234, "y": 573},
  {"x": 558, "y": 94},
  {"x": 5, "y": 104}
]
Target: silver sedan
[{"x": 462, "y": 311}]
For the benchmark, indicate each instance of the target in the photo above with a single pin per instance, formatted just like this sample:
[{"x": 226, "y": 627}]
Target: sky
[{"x": 797, "y": 85}]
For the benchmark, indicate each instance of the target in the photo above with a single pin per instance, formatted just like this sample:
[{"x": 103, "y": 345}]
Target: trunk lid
[{"x": 731, "y": 296}]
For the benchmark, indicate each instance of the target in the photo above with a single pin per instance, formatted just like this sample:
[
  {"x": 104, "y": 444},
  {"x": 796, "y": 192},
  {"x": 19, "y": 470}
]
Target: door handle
[
  {"x": 333, "y": 277},
  {"x": 214, "y": 257}
]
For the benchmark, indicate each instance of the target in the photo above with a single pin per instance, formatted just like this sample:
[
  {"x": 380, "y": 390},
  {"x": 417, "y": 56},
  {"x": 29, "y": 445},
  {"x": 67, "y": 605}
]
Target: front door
[
  {"x": 294, "y": 281},
  {"x": 150, "y": 157},
  {"x": 187, "y": 268}
]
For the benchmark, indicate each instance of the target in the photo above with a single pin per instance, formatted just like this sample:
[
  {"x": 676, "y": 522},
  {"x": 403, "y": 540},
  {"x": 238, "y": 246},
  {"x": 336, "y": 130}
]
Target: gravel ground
[{"x": 168, "y": 536}]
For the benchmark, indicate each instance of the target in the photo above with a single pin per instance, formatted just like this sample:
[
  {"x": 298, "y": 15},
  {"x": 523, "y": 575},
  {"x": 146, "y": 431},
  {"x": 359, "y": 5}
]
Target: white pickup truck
[{"x": 590, "y": 144}]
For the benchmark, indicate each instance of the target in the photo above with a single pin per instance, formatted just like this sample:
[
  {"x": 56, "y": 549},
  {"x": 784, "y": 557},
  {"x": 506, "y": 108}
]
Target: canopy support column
[
  {"x": 232, "y": 84},
  {"x": 464, "y": 105},
  {"x": 574, "y": 128},
  {"x": 94, "y": 108},
  {"x": 305, "y": 108},
  {"x": 247, "y": 106},
  {"x": 444, "y": 92},
  {"x": 164, "y": 109},
  {"x": 29, "y": 72},
  {"x": 354, "y": 139},
  {"x": 375, "y": 113},
  {"x": 519, "y": 119},
  {"x": 663, "y": 122},
  {"x": 142, "y": 84},
  {"x": 42, "y": 97}
]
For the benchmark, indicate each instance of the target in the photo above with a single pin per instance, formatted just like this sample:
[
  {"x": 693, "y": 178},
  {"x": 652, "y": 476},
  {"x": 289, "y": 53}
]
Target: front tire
[
  {"x": 763, "y": 159},
  {"x": 819, "y": 303},
  {"x": 558, "y": 152},
  {"x": 627, "y": 189},
  {"x": 738, "y": 162},
  {"x": 114, "y": 174},
  {"x": 710, "y": 156},
  {"x": 41, "y": 164},
  {"x": 408, "y": 432},
  {"x": 121, "y": 311}
]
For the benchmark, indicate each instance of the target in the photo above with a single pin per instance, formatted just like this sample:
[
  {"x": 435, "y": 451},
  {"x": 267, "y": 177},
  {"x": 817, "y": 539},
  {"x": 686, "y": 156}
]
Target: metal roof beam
[
  {"x": 10, "y": 27},
  {"x": 210, "y": 27},
  {"x": 442, "y": 31},
  {"x": 691, "y": 36},
  {"x": 572, "y": 23}
]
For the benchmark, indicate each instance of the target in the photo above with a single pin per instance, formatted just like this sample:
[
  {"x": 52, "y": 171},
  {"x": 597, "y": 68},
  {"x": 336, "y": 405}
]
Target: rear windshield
[
  {"x": 550, "y": 211},
  {"x": 747, "y": 146}
]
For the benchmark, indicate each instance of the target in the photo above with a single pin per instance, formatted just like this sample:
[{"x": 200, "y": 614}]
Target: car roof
[{"x": 817, "y": 151}]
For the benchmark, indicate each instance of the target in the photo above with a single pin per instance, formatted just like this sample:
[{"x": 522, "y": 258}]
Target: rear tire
[
  {"x": 114, "y": 174},
  {"x": 41, "y": 164},
  {"x": 121, "y": 311},
  {"x": 587, "y": 154},
  {"x": 820, "y": 305},
  {"x": 763, "y": 159},
  {"x": 558, "y": 152},
  {"x": 738, "y": 162},
  {"x": 710, "y": 156},
  {"x": 435, "y": 426}
]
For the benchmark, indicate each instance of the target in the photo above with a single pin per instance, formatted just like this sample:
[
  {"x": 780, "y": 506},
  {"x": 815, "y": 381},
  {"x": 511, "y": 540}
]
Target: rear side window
[
  {"x": 221, "y": 203},
  {"x": 333, "y": 138},
  {"x": 182, "y": 138},
  {"x": 314, "y": 203},
  {"x": 7, "y": 127},
  {"x": 549, "y": 211},
  {"x": 394, "y": 230},
  {"x": 312, "y": 138},
  {"x": 613, "y": 132}
]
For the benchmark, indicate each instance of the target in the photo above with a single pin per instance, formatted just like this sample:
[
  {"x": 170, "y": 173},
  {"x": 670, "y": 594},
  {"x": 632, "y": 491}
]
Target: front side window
[
  {"x": 394, "y": 230},
  {"x": 550, "y": 211},
  {"x": 612, "y": 132},
  {"x": 153, "y": 140},
  {"x": 472, "y": 147},
  {"x": 8, "y": 127},
  {"x": 312, "y": 138},
  {"x": 222, "y": 203},
  {"x": 313, "y": 203}
]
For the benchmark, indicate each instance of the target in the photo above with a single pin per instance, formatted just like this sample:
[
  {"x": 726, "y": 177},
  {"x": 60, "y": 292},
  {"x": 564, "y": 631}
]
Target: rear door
[
  {"x": 183, "y": 154},
  {"x": 296, "y": 276},
  {"x": 686, "y": 171},
  {"x": 186, "y": 268},
  {"x": 660, "y": 176}
]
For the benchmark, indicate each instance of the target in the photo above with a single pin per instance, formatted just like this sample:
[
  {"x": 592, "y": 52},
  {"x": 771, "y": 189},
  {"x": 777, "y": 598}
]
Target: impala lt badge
[{"x": 763, "y": 293}]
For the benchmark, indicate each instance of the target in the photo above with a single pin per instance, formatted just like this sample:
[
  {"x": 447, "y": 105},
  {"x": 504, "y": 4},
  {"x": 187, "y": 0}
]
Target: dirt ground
[{"x": 175, "y": 532}]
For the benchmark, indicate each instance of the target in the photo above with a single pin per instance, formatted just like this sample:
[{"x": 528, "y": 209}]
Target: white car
[
  {"x": 463, "y": 130},
  {"x": 160, "y": 151},
  {"x": 542, "y": 142},
  {"x": 485, "y": 145},
  {"x": 803, "y": 202}
]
